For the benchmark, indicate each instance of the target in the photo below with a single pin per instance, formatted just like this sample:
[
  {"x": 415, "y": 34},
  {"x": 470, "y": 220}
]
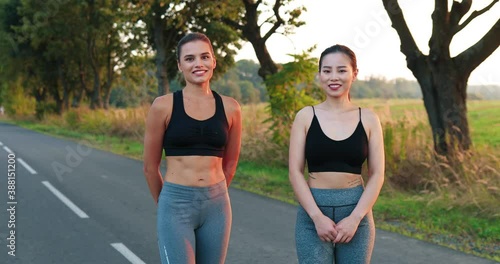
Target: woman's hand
[
  {"x": 325, "y": 228},
  {"x": 346, "y": 229}
]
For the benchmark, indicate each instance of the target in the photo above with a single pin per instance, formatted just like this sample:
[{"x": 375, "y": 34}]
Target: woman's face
[
  {"x": 196, "y": 62},
  {"x": 336, "y": 74}
]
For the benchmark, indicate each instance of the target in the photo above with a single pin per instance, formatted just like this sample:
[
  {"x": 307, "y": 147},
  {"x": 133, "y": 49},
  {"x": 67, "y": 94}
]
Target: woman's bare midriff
[
  {"x": 334, "y": 180},
  {"x": 196, "y": 171}
]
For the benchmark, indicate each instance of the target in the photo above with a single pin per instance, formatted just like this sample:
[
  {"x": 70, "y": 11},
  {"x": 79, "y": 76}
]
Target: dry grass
[
  {"x": 470, "y": 179},
  {"x": 256, "y": 140},
  {"x": 124, "y": 123}
]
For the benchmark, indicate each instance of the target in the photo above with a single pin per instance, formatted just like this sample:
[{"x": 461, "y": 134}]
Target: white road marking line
[
  {"x": 31, "y": 170},
  {"x": 7, "y": 149},
  {"x": 127, "y": 253},
  {"x": 65, "y": 200}
]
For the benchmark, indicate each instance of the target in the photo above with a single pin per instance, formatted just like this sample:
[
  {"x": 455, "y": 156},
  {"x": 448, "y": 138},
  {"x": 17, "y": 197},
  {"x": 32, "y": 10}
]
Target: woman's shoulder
[
  {"x": 230, "y": 104},
  {"x": 306, "y": 110},
  {"x": 163, "y": 100},
  {"x": 163, "y": 103},
  {"x": 305, "y": 114},
  {"x": 368, "y": 116}
]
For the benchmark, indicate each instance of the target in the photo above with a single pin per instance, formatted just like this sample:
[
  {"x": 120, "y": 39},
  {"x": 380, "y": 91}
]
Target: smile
[
  {"x": 334, "y": 86},
  {"x": 199, "y": 72}
]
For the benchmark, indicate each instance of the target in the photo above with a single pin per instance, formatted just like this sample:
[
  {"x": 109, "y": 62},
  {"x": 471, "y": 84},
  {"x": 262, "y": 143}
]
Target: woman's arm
[
  {"x": 325, "y": 227},
  {"x": 153, "y": 143},
  {"x": 376, "y": 168},
  {"x": 233, "y": 146}
]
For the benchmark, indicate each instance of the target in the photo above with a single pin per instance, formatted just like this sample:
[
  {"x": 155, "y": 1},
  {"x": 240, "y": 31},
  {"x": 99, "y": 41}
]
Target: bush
[{"x": 16, "y": 102}]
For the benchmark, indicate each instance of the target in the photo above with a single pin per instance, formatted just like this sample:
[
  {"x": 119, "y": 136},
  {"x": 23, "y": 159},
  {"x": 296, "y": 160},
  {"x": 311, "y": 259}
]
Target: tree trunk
[
  {"x": 40, "y": 94},
  {"x": 95, "y": 99},
  {"x": 160, "y": 57},
  {"x": 252, "y": 32},
  {"x": 444, "y": 92},
  {"x": 54, "y": 91},
  {"x": 267, "y": 65},
  {"x": 66, "y": 93},
  {"x": 106, "y": 94},
  {"x": 77, "y": 100},
  {"x": 109, "y": 79},
  {"x": 65, "y": 86}
]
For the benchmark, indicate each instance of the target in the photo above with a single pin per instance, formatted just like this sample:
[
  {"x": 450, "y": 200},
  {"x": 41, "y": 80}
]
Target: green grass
[
  {"x": 484, "y": 120},
  {"x": 483, "y": 116},
  {"x": 270, "y": 181},
  {"x": 458, "y": 228},
  {"x": 118, "y": 145}
]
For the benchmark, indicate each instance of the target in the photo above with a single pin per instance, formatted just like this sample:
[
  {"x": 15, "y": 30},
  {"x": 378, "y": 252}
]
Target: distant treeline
[{"x": 244, "y": 84}]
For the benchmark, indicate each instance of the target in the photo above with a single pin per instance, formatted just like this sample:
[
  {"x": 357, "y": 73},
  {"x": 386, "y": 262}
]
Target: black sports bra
[
  {"x": 325, "y": 154},
  {"x": 186, "y": 136}
]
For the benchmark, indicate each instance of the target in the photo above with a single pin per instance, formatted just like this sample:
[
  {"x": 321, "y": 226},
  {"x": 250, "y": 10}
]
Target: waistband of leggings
[
  {"x": 200, "y": 193},
  {"x": 337, "y": 197}
]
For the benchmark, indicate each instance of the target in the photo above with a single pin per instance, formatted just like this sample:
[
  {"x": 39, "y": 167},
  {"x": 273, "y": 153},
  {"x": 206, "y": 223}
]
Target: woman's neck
[
  {"x": 337, "y": 104},
  {"x": 198, "y": 90}
]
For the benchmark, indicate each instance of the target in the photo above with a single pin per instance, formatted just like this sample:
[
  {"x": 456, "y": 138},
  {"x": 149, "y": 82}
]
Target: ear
[
  {"x": 215, "y": 63},
  {"x": 355, "y": 75},
  {"x": 179, "y": 66}
]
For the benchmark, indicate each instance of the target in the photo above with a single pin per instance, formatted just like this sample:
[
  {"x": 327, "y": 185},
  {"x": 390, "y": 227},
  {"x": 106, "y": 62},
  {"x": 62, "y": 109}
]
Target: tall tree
[
  {"x": 110, "y": 42},
  {"x": 68, "y": 44},
  {"x": 168, "y": 21},
  {"x": 442, "y": 78},
  {"x": 43, "y": 49},
  {"x": 246, "y": 19}
]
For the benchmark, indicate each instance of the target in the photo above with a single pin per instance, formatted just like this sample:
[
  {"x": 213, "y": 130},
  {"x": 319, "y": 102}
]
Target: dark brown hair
[{"x": 190, "y": 37}]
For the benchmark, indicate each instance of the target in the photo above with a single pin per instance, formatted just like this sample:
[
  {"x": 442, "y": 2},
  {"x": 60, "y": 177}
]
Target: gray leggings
[
  {"x": 336, "y": 204},
  {"x": 193, "y": 223}
]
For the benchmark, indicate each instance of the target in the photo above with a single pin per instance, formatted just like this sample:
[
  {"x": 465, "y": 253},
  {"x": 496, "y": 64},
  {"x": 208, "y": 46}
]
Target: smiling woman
[
  {"x": 200, "y": 132},
  {"x": 334, "y": 219}
]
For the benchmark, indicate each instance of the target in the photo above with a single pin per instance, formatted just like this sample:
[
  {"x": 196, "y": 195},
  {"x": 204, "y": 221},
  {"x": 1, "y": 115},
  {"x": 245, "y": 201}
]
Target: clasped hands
[{"x": 342, "y": 232}]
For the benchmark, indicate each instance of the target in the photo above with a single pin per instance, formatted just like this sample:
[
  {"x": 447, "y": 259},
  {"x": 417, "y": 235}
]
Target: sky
[{"x": 364, "y": 26}]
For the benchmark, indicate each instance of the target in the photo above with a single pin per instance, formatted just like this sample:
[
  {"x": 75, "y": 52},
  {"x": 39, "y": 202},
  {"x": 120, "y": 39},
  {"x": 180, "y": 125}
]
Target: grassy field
[
  {"x": 456, "y": 205},
  {"x": 484, "y": 116}
]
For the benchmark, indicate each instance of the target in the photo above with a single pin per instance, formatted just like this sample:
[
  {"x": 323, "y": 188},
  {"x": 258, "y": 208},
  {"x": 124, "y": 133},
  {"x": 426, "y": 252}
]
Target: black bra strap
[
  {"x": 313, "y": 110},
  {"x": 178, "y": 100},
  {"x": 359, "y": 113}
]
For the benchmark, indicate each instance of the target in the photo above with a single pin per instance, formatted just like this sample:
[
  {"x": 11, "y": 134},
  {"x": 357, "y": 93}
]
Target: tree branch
[
  {"x": 408, "y": 46},
  {"x": 458, "y": 10},
  {"x": 268, "y": 20},
  {"x": 232, "y": 23},
  {"x": 279, "y": 20},
  {"x": 469, "y": 59},
  {"x": 472, "y": 16},
  {"x": 440, "y": 38}
]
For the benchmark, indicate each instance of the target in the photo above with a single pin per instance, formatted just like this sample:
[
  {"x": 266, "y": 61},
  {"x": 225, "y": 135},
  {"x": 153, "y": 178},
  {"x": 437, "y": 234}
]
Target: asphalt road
[{"x": 74, "y": 204}]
